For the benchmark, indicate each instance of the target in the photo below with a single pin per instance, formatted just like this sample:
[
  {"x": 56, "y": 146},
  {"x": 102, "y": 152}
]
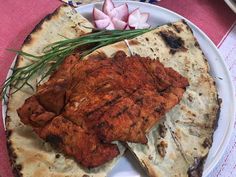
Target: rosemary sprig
[{"x": 55, "y": 53}]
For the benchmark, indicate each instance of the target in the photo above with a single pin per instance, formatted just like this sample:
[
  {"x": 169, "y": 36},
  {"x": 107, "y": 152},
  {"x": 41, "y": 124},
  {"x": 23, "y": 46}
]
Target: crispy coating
[
  {"x": 78, "y": 142},
  {"x": 144, "y": 92},
  {"x": 43, "y": 112},
  {"x": 86, "y": 105}
]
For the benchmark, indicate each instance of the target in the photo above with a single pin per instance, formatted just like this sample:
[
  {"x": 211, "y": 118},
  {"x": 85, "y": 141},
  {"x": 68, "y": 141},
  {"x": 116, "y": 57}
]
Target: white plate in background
[{"x": 231, "y": 4}]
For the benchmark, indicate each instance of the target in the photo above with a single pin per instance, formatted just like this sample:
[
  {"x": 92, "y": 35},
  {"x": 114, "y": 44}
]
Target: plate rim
[
  {"x": 231, "y": 4},
  {"x": 216, "y": 51}
]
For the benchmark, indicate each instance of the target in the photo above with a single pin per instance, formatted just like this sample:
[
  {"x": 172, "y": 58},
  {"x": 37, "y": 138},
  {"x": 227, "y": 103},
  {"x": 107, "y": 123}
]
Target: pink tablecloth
[{"x": 17, "y": 19}]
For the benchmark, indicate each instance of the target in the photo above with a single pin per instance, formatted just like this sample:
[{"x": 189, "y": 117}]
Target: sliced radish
[
  {"x": 144, "y": 17},
  {"x": 143, "y": 26},
  {"x": 121, "y": 12},
  {"x": 99, "y": 15},
  {"x": 118, "y": 17},
  {"x": 102, "y": 24},
  {"x": 127, "y": 27},
  {"x": 108, "y": 6},
  {"x": 110, "y": 26},
  {"x": 138, "y": 20},
  {"x": 119, "y": 24}
]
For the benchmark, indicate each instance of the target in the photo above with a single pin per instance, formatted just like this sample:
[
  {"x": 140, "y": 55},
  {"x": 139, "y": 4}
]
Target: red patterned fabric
[{"x": 214, "y": 17}]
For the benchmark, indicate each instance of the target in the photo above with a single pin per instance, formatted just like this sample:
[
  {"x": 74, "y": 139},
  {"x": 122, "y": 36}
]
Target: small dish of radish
[{"x": 113, "y": 17}]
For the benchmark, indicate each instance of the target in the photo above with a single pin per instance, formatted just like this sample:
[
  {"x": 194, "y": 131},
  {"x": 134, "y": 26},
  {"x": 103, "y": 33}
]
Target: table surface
[{"x": 215, "y": 18}]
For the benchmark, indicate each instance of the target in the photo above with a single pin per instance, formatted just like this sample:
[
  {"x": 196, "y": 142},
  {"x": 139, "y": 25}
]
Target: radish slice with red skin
[
  {"x": 119, "y": 24},
  {"x": 112, "y": 17},
  {"x": 138, "y": 20},
  {"x": 127, "y": 27},
  {"x": 110, "y": 26},
  {"x": 99, "y": 15},
  {"x": 134, "y": 17},
  {"x": 121, "y": 12},
  {"x": 108, "y": 6},
  {"x": 102, "y": 24}
]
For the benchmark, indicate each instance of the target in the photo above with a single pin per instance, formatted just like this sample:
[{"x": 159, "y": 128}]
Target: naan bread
[
  {"x": 31, "y": 156},
  {"x": 177, "y": 146}
]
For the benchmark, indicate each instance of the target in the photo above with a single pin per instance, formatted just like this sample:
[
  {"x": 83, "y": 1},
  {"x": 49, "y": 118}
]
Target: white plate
[
  {"x": 231, "y": 4},
  {"x": 127, "y": 165},
  {"x": 158, "y": 16}
]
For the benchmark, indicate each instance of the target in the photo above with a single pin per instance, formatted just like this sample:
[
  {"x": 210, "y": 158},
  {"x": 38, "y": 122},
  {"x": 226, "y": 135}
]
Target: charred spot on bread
[
  {"x": 161, "y": 148},
  {"x": 162, "y": 130},
  {"x": 13, "y": 156},
  {"x": 55, "y": 140},
  {"x": 207, "y": 143},
  {"x": 197, "y": 167},
  {"x": 39, "y": 25},
  {"x": 85, "y": 176},
  {"x": 173, "y": 41},
  {"x": 177, "y": 28}
]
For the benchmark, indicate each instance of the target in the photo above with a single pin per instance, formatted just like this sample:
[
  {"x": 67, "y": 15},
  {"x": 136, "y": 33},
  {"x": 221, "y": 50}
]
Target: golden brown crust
[
  {"x": 16, "y": 169},
  {"x": 38, "y": 27}
]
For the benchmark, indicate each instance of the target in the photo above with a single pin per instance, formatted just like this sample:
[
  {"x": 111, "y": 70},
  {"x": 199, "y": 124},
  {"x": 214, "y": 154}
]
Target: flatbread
[
  {"x": 31, "y": 156},
  {"x": 177, "y": 146}
]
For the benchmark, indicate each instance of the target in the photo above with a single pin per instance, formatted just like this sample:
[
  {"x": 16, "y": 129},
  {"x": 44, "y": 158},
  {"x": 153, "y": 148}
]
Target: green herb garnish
[{"x": 55, "y": 53}]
